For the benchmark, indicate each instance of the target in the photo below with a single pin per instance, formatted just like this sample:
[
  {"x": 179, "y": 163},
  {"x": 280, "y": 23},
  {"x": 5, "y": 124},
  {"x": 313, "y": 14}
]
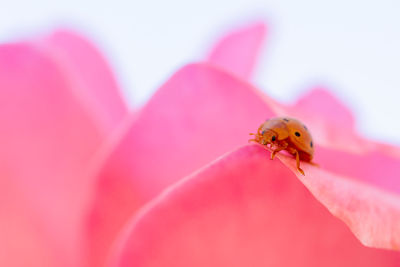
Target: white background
[{"x": 353, "y": 47}]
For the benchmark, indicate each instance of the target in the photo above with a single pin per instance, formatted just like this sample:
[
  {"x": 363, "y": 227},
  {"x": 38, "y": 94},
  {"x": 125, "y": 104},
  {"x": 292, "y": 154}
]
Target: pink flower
[{"x": 176, "y": 184}]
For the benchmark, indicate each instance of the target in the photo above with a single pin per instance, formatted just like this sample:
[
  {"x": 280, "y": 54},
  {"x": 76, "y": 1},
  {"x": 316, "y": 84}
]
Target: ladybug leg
[
  {"x": 256, "y": 139},
  {"x": 252, "y": 140},
  {"x": 282, "y": 146},
  {"x": 298, "y": 162},
  {"x": 296, "y": 154}
]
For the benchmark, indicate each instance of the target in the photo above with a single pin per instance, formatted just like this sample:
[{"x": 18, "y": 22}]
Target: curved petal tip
[{"x": 239, "y": 50}]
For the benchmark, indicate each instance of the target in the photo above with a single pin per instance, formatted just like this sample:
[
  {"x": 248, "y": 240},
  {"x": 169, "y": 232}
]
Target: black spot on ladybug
[
  {"x": 297, "y": 134},
  {"x": 286, "y": 120},
  {"x": 273, "y": 138},
  {"x": 311, "y": 144}
]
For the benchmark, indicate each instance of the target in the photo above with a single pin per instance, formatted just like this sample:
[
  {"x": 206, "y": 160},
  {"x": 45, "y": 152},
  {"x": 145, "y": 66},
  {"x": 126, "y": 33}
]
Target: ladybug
[{"x": 288, "y": 134}]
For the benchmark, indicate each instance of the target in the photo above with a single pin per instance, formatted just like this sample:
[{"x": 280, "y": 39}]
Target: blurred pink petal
[
  {"x": 333, "y": 125},
  {"x": 86, "y": 66},
  {"x": 328, "y": 119},
  {"x": 23, "y": 237},
  {"x": 50, "y": 131},
  {"x": 246, "y": 210},
  {"x": 375, "y": 168},
  {"x": 238, "y": 51},
  {"x": 388, "y": 149},
  {"x": 320, "y": 106},
  {"x": 169, "y": 139}
]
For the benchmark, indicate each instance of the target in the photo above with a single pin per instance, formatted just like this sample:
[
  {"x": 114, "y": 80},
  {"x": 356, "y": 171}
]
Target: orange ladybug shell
[{"x": 295, "y": 132}]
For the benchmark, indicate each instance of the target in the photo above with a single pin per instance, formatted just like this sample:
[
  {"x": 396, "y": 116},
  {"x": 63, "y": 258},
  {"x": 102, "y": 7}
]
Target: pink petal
[
  {"x": 329, "y": 120},
  {"x": 239, "y": 50},
  {"x": 332, "y": 126},
  {"x": 373, "y": 167},
  {"x": 23, "y": 239},
  {"x": 169, "y": 139},
  {"x": 371, "y": 213},
  {"x": 49, "y": 134},
  {"x": 321, "y": 106},
  {"x": 344, "y": 152},
  {"x": 388, "y": 149},
  {"x": 246, "y": 210},
  {"x": 93, "y": 78}
]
